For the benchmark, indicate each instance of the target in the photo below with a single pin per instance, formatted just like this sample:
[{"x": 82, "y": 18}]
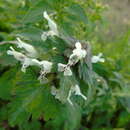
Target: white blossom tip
[
  {"x": 45, "y": 15},
  {"x": 97, "y": 58},
  {"x": 78, "y": 45}
]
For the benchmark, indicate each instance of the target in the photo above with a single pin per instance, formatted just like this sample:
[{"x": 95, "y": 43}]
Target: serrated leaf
[{"x": 31, "y": 98}]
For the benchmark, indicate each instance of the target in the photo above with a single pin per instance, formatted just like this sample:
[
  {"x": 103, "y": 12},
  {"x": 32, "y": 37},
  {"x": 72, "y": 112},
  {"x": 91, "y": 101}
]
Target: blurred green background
[{"x": 108, "y": 32}]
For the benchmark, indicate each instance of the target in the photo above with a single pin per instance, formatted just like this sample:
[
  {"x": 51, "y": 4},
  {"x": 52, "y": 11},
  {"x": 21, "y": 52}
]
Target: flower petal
[
  {"x": 29, "y": 48},
  {"x": 67, "y": 72},
  {"x": 51, "y": 23}
]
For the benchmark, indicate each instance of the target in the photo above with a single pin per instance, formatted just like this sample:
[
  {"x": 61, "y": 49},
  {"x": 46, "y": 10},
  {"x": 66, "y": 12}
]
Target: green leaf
[
  {"x": 31, "y": 125},
  {"x": 6, "y": 87},
  {"x": 76, "y": 13},
  {"x": 66, "y": 82},
  {"x": 31, "y": 33},
  {"x": 31, "y": 98},
  {"x": 35, "y": 13},
  {"x": 68, "y": 119}
]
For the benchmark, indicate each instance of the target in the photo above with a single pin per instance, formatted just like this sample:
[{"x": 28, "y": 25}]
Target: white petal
[
  {"x": 29, "y": 62},
  {"x": 97, "y": 58},
  {"x": 61, "y": 67},
  {"x": 100, "y": 54},
  {"x": 36, "y": 62},
  {"x": 46, "y": 66},
  {"x": 70, "y": 102},
  {"x": 78, "y": 52},
  {"x": 84, "y": 97},
  {"x": 29, "y": 48},
  {"x": 67, "y": 72},
  {"x": 77, "y": 91},
  {"x": 78, "y": 45},
  {"x": 102, "y": 60},
  {"x": 45, "y": 15},
  {"x": 51, "y": 33},
  {"x": 51, "y": 23},
  {"x": 17, "y": 55},
  {"x": 26, "y": 63},
  {"x": 84, "y": 53},
  {"x": 44, "y": 36}
]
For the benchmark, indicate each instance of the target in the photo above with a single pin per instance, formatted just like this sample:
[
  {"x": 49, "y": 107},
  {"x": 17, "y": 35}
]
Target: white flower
[
  {"x": 29, "y": 48},
  {"x": 79, "y": 52},
  {"x": 46, "y": 66},
  {"x": 52, "y": 26},
  {"x": 28, "y": 62},
  {"x": 76, "y": 90},
  {"x": 61, "y": 67},
  {"x": 22, "y": 58},
  {"x": 44, "y": 36},
  {"x": 97, "y": 58},
  {"x": 17, "y": 55},
  {"x": 51, "y": 23},
  {"x": 64, "y": 68}
]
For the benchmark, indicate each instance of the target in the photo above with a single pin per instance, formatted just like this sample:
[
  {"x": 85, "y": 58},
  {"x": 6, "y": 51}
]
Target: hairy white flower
[
  {"x": 46, "y": 66},
  {"x": 97, "y": 58},
  {"x": 29, "y": 48},
  {"x": 17, "y": 55},
  {"x": 44, "y": 36},
  {"x": 61, "y": 67},
  {"x": 64, "y": 68},
  {"x": 52, "y": 26},
  {"x": 28, "y": 62},
  {"x": 77, "y": 91},
  {"x": 25, "y": 61},
  {"x": 51, "y": 23},
  {"x": 77, "y": 54}
]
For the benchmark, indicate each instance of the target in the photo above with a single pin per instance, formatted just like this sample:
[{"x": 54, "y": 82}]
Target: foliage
[{"x": 27, "y": 104}]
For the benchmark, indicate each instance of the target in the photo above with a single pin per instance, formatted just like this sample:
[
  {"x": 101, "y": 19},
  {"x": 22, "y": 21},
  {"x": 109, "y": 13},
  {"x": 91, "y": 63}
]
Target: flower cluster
[
  {"x": 28, "y": 57},
  {"x": 77, "y": 55}
]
